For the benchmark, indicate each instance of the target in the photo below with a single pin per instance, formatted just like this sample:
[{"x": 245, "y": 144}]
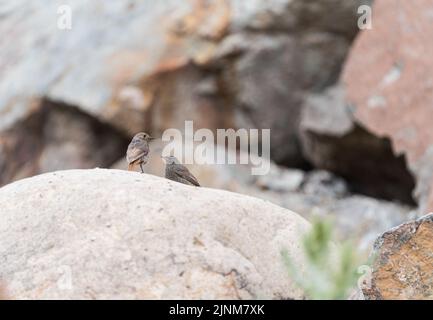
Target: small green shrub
[{"x": 331, "y": 269}]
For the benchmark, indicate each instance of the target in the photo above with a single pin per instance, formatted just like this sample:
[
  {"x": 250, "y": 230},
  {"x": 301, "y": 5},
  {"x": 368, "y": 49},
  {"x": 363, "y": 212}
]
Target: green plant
[{"x": 331, "y": 269}]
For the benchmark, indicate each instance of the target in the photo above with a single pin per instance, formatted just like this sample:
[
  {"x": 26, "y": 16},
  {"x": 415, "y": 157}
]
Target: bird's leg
[{"x": 141, "y": 167}]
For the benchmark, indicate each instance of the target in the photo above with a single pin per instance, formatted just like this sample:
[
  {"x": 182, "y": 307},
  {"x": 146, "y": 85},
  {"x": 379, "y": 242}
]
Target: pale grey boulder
[{"x": 94, "y": 234}]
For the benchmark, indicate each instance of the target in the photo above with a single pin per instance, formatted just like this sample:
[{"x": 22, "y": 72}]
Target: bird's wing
[
  {"x": 136, "y": 151},
  {"x": 184, "y": 173}
]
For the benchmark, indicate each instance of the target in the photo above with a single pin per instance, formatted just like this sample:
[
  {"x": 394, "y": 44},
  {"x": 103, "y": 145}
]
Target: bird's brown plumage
[
  {"x": 183, "y": 173},
  {"x": 138, "y": 151},
  {"x": 177, "y": 172}
]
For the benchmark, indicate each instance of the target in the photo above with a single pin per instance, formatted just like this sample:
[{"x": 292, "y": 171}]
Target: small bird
[
  {"x": 177, "y": 172},
  {"x": 138, "y": 151}
]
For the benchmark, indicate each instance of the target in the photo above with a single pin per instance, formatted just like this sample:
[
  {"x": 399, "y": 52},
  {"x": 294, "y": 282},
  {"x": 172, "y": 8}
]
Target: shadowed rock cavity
[
  {"x": 54, "y": 137},
  {"x": 334, "y": 141},
  {"x": 366, "y": 161}
]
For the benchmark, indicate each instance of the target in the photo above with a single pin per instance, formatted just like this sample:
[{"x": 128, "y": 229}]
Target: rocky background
[{"x": 348, "y": 109}]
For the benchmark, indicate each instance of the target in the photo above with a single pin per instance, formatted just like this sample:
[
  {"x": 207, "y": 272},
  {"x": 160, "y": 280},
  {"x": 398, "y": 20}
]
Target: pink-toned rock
[{"x": 389, "y": 80}]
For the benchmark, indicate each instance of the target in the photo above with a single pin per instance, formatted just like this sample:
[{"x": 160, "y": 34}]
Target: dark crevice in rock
[
  {"x": 19, "y": 146},
  {"x": 58, "y": 136},
  {"x": 366, "y": 161}
]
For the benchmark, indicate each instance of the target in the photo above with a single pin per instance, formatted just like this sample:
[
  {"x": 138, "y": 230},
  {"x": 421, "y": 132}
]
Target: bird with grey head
[
  {"x": 138, "y": 151},
  {"x": 175, "y": 171}
]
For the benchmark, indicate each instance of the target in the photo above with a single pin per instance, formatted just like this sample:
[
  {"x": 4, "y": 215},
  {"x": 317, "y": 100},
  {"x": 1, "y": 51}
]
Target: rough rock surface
[
  {"x": 150, "y": 65},
  {"x": 102, "y": 233},
  {"x": 388, "y": 80},
  {"x": 404, "y": 262}
]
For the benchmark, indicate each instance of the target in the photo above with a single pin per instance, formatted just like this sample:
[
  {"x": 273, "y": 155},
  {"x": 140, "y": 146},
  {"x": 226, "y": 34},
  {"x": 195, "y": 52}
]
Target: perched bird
[
  {"x": 138, "y": 151},
  {"x": 177, "y": 172}
]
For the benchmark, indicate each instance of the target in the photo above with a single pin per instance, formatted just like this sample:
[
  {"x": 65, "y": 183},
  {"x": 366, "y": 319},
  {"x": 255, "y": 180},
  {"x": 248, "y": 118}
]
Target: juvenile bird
[
  {"x": 138, "y": 151},
  {"x": 177, "y": 172}
]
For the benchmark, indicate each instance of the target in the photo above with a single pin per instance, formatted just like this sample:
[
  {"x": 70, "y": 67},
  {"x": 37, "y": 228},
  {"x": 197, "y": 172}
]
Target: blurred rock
[
  {"x": 388, "y": 79},
  {"x": 362, "y": 218},
  {"x": 57, "y": 137},
  {"x": 289, "y": 65},
  {"x": 326, "y": 114},
  {"x": 356, "y": 218},
  {"x": 111, "y": 234},
  {"x": 273, "y": 61},
  {"x": 74, "y": 140},
  {"x": 283, "y": 15},
  {"x": 281, "y": 179},
  {"x": 403, "y": 267},
  {"x": 324, "y": 183},
  {"x": 140, "y": 65},
  {"x": 333, "y": 140}
]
